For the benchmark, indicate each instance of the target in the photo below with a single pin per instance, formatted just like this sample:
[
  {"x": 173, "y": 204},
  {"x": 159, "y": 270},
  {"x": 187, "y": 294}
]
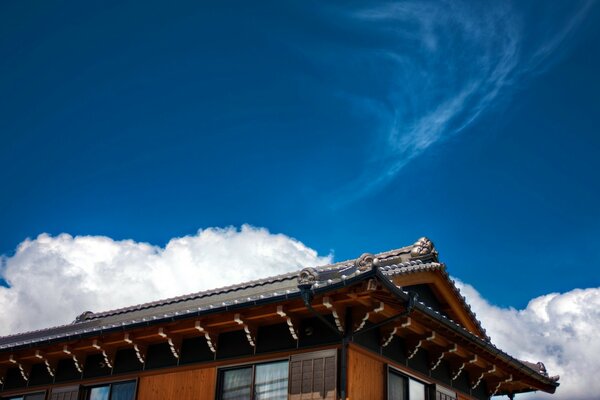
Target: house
[{"x": 386, "y": 326}]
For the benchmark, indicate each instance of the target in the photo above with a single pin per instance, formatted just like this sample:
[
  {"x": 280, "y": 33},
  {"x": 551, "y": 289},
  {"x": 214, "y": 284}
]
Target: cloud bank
[
  {"x": 54, "y": 279},
  {"x": 448, "y": 62},
  {"x": 561, "y": 330}
]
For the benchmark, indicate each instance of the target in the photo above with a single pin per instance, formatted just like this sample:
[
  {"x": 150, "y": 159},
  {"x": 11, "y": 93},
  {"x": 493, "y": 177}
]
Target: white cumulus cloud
[
  {"x": 54, "y": 279},
  {"x": 561, "y": 330}
]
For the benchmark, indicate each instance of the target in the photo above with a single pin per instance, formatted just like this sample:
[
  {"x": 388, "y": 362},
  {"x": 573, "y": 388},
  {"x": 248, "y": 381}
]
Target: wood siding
[
  {"x": 196, "y": 384},
  {"x": 366, "y": 377}
]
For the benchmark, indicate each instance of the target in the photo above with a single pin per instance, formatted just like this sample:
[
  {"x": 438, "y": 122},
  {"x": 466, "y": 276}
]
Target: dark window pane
[
  {"x": 37, "y": 396},
  {"x": 237, "y": 384},
  {"x": 123, "y": 391},
  {"x": 271, "y": 381},
  {"x": 99, "y": 393},
  {"x": 396, "y": 387}
]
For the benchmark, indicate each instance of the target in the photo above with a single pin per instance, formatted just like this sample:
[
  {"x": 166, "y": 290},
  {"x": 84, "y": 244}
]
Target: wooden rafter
[
  {"x": 108, "y": 354},
  {"x": 449, "y": 350},
  {"x": 336, "y": 311},
  {"x": 418, "y": 344},
  {"x": 78, "y": 359},
  {"x": 250, "y": 331},
  {"x": 50, "y": 364},
  {"x": 483, "y": 374},
  {"x": 379, "y": 307},
  {"x": 462, "y": 366},
  {"x": 174, "y": 341},
  {"x": 24, "y": 368},
  {"x": 388, "y": 334},
  {"x": 211, "y": 339},
  {"x": 497, "y": 387},
  {"x": 291, "y": 322},
  {"x": 140, "y": 349}
]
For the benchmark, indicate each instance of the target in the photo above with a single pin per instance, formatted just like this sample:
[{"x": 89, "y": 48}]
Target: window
[
  {"x": 402, "y": 387},
  {"x": 32, "y": 396},
  {"x": 267, "y": 381},
  {"x": 111, "y": 391}
]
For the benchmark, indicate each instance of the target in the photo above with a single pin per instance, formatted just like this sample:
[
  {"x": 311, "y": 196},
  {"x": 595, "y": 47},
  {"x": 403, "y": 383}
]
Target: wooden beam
[
  {"x": 460, "y": 369},
  {"x": 50, "y": 364},
  {"x": 497, "y": 387},
  {"x": 173, "y": 340},
  {"x": 338, "y": 313},
  {"x": 108, "y": 354},
  {"x": 291, "y": 322},
  {"x": 483, "y": 374},
  {"x": 379, "y": 307},
  {"x": 248, "y": 330},
  {"x": 140, "y": 349},
  {"x": 78, "y": 359},
  {"x": 211, "y": 338},
  {"x": 436, "y": 363},
  {"x": 24, "y": 368},
  {"x": 388, "y": 334},
  {"x": 418, "y": 343}
]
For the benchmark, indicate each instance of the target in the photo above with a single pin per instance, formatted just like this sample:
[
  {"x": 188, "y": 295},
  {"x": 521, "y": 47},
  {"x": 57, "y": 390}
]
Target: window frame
[
  {"x": 87, "y": 388},
  {"x": 253, "y": 365},
  {"x": 393, "y": 370},
  {"x": 25, "y": 395}
]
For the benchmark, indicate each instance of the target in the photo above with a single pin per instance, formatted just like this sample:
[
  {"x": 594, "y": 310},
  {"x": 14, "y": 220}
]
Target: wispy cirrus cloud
[{"x": 451, "y": 62}]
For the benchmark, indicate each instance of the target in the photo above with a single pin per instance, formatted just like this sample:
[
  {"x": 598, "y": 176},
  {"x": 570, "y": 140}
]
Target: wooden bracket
[
  {"x": 250, "y": 331},
  {"x": 377, "y": 309},
  {"x": 338, "y": 315},
  {"x": 419, "y": 343},
  {"x": 291, "y": 322},
  {"x": 174, "y": 341},
  {"x": 50, "y": 365},
  {"x": 211, "y": 339},
  {"x": 107, "y": 354},
  {"x": 24, "y": 369},
  {"x": 387, "y": 335},
  {"x": 462, "y": 366},
  {"x": 140, "y": 349},
  {"x": 78, "y": 359},
  {"x": 509, "y": 379},
  {"x": 484, "y": 373},
  {"x": 443, "y": 354}
]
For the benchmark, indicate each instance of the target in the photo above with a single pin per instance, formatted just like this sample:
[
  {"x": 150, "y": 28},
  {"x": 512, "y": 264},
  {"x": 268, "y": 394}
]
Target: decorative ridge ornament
[
  {"x": 422, "y": 248},
  {"x": 308, "y": 276},
  {"x": 365, "y": 262}
]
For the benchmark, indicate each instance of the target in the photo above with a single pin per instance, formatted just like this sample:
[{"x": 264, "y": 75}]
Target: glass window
[
  {"x": 33, "y": 396},
  {"x": 267, "y": 381},
  {"x": 112, "y": 391},
  {"x": 402, "y": 387}
]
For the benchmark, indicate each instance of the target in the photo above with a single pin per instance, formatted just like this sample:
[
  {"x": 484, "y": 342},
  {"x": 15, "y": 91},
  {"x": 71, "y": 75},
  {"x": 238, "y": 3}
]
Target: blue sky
[{"x": 350, "y": 126}]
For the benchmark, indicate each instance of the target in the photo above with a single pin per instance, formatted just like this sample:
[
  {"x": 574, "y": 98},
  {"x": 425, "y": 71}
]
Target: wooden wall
[
  {"x": 366, "y": 376},
  {"x": 196, "y": 384}
]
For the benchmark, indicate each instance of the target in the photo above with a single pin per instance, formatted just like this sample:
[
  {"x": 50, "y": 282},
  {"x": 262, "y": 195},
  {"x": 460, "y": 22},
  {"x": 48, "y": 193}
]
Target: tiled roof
[{"x": 407, "y": 260}]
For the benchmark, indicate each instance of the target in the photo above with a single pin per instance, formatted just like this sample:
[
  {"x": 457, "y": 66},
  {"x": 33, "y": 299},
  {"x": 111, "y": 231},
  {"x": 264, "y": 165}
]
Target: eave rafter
[
  {"x": 388, "y": 334},
  {"x": 417, "y": 344},
  {"x": 77, "y": 357},
  {"x": 211, "y": 338},
  {"x": 108, "y": 353},
  {"x": 139, "y": 348},
  {"x": 491, "y": 370},
  {"x": 174, "y": 341},
  {"x": 249, "y": 330},
  {"x": 292, "y": 322},
  {"x": 336, "y": 311},
  {"x": 442, "y": 354},
  {"x": 50, "y": 364},
  {"x": 376, "y": 309},
  {"x": 496, "y": 387},
  {"x": 24, "y": 368},
  {"x": 462, "y": 366}
]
